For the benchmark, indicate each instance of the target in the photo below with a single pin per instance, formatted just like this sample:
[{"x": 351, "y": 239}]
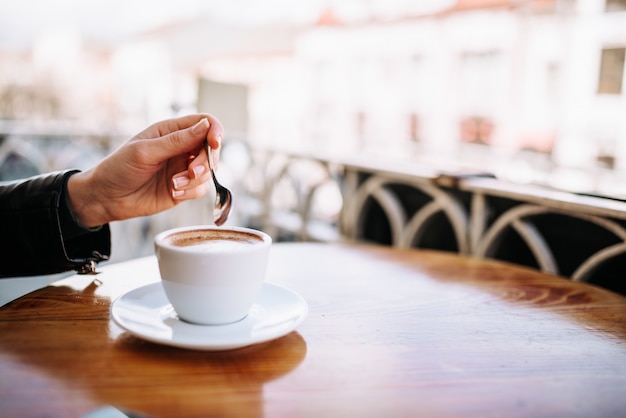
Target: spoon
[{"x": 223, "y": 196}]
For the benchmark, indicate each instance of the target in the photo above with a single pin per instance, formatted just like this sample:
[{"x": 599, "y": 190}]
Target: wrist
[{"x": 83, "y": 202}]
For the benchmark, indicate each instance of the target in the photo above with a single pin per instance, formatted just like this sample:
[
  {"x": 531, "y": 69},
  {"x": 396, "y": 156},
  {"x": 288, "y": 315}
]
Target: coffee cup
[{"x": 212, "y": 275}]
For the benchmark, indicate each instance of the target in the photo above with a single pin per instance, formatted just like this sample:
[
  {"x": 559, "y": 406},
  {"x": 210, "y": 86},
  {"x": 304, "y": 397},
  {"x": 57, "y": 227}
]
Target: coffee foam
[{"x": 212, "y": 238}]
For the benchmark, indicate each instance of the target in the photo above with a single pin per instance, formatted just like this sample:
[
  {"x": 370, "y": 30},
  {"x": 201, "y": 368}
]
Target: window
[
  {"x": 476, "y": 130},
  {"x": 611, "y": 71}
]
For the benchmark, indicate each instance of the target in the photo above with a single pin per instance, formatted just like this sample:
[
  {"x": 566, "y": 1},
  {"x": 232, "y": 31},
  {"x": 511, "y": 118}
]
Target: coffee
[
  {"x": 212, "y": 275},
  {"x": 213, "y": 240}
]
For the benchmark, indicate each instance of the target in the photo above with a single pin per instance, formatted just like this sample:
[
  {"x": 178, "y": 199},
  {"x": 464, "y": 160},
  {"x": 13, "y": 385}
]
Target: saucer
[{"x": 146, "y": 313}]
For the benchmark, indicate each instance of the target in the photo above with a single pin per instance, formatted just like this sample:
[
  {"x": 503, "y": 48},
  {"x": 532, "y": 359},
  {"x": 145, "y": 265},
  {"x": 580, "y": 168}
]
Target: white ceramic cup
[{"x": 212, "y": 275}]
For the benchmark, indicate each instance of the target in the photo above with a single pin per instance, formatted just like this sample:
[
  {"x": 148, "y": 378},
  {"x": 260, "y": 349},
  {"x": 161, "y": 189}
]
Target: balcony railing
[
  {"x": 302, "y": 197},
  {"x": 317, "y": 198}
]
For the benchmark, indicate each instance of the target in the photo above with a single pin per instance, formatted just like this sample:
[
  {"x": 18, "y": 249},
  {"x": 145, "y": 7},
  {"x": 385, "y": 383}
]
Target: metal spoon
[{"x": 223, "y": 196}]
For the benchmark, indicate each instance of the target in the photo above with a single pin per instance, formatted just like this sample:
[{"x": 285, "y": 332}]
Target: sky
[
  {"x": 21, "y": 21},
  {"x": 109, "y": 20}
]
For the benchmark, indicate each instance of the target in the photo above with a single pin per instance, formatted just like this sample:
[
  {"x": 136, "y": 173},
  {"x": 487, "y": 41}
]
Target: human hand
[{"x": 151, "y": 172}]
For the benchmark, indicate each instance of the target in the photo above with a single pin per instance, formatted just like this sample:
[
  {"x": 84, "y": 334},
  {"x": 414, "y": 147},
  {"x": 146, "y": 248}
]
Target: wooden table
[{"x": 390, "y": 333}]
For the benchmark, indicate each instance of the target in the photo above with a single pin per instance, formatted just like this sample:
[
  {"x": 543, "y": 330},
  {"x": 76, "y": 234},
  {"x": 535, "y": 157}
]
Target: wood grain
[{"x": 390, "y": 333}]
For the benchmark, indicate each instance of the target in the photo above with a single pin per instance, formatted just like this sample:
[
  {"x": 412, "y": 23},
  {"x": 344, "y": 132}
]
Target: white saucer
[{"x": 146, "y": 313}]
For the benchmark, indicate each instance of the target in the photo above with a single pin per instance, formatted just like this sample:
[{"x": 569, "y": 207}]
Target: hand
[{"x": 151, "y": 172}]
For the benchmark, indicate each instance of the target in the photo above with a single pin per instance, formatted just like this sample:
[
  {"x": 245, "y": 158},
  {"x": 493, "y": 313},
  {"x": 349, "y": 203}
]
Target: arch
[
  {"x": 375, "y": 187},
  {"x": 537, "y": 244},
  {"x": 583, "y": 272},
  {"x": 403, "y": 233},
  {"x": 454, "y": 212}
]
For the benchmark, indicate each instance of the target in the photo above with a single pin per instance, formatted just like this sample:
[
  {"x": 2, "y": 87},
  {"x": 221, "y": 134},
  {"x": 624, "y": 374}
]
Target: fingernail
[
  {"x": 178, "y": 193},
  {"x": 200, "y": 127},
  {"x": 198, "y": 170},
  {"x": 219, "y": 139},
  {"x": 180, "y": 181}
]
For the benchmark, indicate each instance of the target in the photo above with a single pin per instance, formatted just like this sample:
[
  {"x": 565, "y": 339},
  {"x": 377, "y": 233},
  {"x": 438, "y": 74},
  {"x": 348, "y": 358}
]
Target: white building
[
  {"x": 466, "y": 83},
  {"x": 545, "y": 77}
]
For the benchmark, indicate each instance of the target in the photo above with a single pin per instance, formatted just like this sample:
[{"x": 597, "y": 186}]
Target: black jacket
[{"x": 38, "y": 232}]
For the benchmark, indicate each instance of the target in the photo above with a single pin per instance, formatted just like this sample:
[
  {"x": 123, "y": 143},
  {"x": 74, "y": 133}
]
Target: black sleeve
[{"x": 38, "y": 233}]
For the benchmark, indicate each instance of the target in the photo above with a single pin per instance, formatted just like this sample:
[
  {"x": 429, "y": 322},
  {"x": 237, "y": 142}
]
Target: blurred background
[{"x": 530, "y": 90}]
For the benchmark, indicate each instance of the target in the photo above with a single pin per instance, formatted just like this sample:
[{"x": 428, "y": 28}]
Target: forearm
[{"x": 39, "y": 235}]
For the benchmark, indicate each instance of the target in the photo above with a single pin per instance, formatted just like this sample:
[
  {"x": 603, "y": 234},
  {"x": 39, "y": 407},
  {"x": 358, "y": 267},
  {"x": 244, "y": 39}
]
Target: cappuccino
[
  {"x": 219, "y": 240},
  {"x": 212, "y": 275}
]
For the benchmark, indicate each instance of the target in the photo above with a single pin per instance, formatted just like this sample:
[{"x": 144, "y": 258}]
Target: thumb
[{"x": 182, "y": 141}]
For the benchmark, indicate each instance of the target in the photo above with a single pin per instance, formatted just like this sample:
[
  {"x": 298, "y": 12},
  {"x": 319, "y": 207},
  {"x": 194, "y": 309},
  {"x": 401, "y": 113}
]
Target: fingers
[
  {"x": 168, "y": 126},
  {"x": 186, "y": 187},
  {"x": 192, "y": 131},
  {"x": 216, "y": 132},
  {"x": 215, "y": 129},
  {"x": 183, "y": 137},
  {"x": 214, "y": 139},
  {"x": 192, "y": 193},
  {"x": 215, "y": 153}
]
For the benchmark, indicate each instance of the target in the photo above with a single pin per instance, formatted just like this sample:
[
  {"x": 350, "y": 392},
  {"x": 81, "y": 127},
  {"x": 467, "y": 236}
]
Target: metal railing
[
  {"x": 318, "y": 198},
  {"x": 581, "y": 237}
]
